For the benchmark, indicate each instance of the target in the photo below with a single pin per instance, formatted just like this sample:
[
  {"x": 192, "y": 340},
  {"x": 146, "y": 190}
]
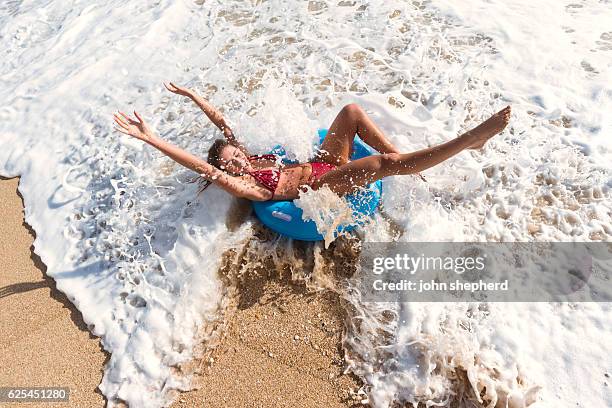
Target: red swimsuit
[{"x": 269, "y": 177}]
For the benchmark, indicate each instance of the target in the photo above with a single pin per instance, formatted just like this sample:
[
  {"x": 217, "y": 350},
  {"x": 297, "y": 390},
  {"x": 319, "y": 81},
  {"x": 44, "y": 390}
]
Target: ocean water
[{"x": 124, "y": 235}]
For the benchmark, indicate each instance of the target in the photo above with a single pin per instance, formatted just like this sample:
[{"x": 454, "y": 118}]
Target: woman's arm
[
  {"x": 213, "y": 114},
  {"x": 233, "y": 185},
  {"x": 236, "y": 186}
]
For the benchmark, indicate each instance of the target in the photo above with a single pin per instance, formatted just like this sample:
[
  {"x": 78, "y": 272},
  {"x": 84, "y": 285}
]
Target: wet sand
[
  {"x": 43, "y": 339},
  {"x": 281, "y": 346}
]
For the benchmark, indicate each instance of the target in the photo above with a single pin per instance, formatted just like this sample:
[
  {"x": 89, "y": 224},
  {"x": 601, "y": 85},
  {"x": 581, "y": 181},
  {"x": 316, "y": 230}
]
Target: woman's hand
[
  {"x": 138, "y": 129},
  {"x": 179, "y": 90}
]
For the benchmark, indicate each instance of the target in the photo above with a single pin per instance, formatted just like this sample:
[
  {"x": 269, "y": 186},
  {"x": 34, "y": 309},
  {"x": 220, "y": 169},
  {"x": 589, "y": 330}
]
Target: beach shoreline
[
  {"x": 280, "y": 345},
  {"x": 44, "y": 341}
]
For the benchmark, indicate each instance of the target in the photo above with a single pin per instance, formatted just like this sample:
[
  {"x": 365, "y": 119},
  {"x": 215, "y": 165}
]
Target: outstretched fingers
[
  {"x": 172, "y": 87},
  {"x": 121, "y": 126},
  {"x": 121, "y": 123},
  {"x": 128, "y": 119},
  {"x": 119, "y": 120},
  {"x": 141, "y": 120}
]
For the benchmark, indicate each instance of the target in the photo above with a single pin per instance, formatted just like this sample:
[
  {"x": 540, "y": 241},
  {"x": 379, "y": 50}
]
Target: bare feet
[{"x": 489, "y": 128}]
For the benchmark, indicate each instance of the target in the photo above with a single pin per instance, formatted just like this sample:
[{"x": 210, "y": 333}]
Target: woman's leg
[
  {"x": 346, "y": 178},
  {"x": 338, "y": 144}
]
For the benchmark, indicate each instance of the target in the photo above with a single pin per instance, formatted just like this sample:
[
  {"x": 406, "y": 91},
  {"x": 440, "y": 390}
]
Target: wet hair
[
  {"x": 214, "y": 153},
  {"x": 214, "y": 159}
]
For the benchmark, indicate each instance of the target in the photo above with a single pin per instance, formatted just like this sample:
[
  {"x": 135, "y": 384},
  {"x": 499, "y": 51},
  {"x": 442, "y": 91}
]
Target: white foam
[{"x": 105, "y": 207}]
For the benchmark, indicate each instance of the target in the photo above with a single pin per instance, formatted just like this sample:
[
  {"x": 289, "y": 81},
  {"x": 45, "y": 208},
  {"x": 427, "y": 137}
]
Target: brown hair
[{"x": 214, "y": 158}]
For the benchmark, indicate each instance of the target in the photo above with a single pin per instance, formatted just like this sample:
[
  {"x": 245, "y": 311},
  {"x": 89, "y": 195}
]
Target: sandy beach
[
  {"x": 281, "y": 349},
  {"x": 43, "y": 339},
  {"x": 281, "y": 346}
]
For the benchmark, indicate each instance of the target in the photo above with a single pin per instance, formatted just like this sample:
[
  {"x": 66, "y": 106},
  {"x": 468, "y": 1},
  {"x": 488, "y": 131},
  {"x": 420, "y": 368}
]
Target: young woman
[{"x": 262, "y": 178}]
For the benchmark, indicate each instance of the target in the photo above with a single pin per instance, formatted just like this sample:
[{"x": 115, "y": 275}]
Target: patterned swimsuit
[{"x": 269, "y": 177}]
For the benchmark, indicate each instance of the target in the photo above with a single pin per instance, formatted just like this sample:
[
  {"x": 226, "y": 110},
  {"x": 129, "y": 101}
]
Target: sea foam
[{"x": 124, "y": 235}]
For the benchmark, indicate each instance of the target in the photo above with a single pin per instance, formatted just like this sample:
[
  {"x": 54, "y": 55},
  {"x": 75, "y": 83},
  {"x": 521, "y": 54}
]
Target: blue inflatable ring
[{"x": 285, "y": 217}]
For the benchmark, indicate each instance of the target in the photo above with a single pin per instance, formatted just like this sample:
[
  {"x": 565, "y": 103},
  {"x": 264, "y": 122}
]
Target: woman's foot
[{"x": 489, "y": 128}]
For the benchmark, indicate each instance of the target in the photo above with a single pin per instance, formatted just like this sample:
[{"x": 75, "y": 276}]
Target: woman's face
[{"x": 234, "y": 161}]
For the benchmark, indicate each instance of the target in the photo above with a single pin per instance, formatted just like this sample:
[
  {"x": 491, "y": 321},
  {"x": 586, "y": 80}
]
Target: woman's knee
[
  {"x": 352, "y": 110},
  {"x": 381, "y": 163},
  {"x": 389, "y": 162},
  {"x": 390, "y": 159}
]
